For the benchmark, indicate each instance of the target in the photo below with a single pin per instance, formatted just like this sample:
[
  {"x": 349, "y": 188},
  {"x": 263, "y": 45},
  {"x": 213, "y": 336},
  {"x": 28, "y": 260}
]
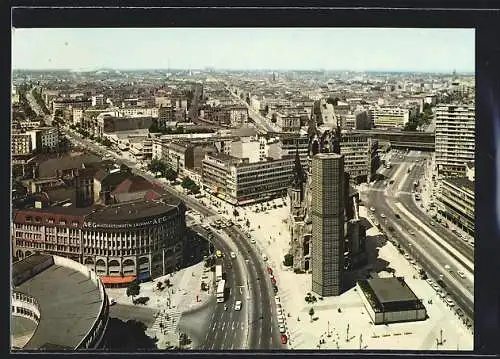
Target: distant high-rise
[
  {"x": 327, "y": 223},
  {"x": 455, "y": 139}
]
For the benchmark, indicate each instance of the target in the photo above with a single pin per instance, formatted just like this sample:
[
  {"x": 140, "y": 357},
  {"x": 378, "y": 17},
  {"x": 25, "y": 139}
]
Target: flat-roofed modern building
[
  {"x": 56, "y": 304},
  {"x": 239, "y": 182},
  {"x": 390, "y": 300},
  {"x": 455, "y": 139},
  {"x": 327, "y": 209},
  {"x": 359, "y": 151},
  {"x": 456, "y": 202},
  {"x": 390, "y": 116}
]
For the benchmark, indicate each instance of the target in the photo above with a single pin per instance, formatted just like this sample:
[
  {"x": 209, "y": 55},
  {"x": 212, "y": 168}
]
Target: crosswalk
[{"x": 167, "y": 321}]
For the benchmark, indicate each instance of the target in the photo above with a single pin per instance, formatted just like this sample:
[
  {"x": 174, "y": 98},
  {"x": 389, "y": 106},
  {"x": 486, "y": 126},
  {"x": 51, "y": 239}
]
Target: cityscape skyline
[{"x": 369, "y": 49}]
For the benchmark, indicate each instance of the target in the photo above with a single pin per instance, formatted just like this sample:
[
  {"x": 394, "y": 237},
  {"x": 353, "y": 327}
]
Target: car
[
  {"x": 279, "y": 311},
  {"x": 233, "y": 255},
  {"x": 382, "y": 215},
  {"x": 264, "y": 257},
  {"x": 432, "y": 223},
  {"x": 471, "y": 243},
  {"x": 428, "y": 280},
  {"x": 112, "y": 301},
  {"x": 372, "y": 209},
  {"x": 282, "y": 328},
  {"x": 273, "y": 281},
  {"x": 461, "y": 274},
  {"x": 449, "y": 301},
  {"x": 407, "y": 256},
  {"x": 218, "y": 253},
  {"x": 237, "y": 305},
  {"x": 283, "y": 339},
  {"x": 397, "y": 215},
  {"x": 281, "y": 319},
  {"x": 269, "y": 270},
  {"x": 277, "y": 300},
  {"x": 252, "y": 241},
  {"x": 411, "y": 232},
  {"x": 459, "y": 235}
]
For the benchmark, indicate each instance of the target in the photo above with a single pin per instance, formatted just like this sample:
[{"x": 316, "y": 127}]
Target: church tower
[{"x": 296, "y": 189}]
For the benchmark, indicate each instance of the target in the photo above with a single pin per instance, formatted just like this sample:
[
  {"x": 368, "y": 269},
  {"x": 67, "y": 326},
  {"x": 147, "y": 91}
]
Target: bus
[
  {"x": 218, "y": 272},
  {"x": 220, "y": 291}
]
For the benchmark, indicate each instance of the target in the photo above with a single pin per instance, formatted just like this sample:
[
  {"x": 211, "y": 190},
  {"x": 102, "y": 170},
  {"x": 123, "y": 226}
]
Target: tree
[
  {"x": 311, "y": 313},
  {"x": 195, "y": 189},
  {"x": 170, "y": 174},
  {"x": 248, "y": 223},
  {"x": 156, "y": 165},
  {"x": 288, "y": 262},
  {"x": 133, "y": 289},
  {"x": 187, "y": 183},
  {"x": 235, "y": 213}
]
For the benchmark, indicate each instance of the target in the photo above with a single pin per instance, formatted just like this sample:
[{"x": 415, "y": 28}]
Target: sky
[{"x": 354, "y": 49}]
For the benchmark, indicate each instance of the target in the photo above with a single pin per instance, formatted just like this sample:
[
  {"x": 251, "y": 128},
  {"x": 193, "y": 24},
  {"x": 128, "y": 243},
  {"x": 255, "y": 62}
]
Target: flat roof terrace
[
  {"x": 69, "y": 304},
  {"x": 387, "y": 294}
]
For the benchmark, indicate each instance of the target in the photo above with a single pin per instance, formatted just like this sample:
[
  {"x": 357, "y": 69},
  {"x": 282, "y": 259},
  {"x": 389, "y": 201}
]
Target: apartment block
[
  {"x": 455, "y": 139},
  {"x": 456, "y": 202}
]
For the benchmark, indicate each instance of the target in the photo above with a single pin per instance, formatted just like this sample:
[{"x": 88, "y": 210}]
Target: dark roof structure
[
  {"x": 134, "y": 184},
  {"x": 49, "y": 167},
  {"x": 393, "y": 289},
  {"x": 136, "y": 211},
  {"x": 461, "y": 182}
]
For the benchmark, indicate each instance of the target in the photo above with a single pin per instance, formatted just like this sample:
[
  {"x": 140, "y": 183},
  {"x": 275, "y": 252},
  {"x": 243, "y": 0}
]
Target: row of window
[
  {"x": 25, "y": 312},
  {"x": 62, "y": 222}
]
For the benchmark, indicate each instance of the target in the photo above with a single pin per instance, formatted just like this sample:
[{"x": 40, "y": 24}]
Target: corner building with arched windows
[{"x": 121, "y": 242}]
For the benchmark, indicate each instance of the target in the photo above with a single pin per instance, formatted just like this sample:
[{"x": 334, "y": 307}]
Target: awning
[{"x": 117, "y": 280}]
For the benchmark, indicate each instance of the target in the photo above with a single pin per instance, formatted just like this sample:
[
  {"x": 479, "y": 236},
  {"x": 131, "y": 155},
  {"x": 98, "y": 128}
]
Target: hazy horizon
[{"x": 246, "y": 49}]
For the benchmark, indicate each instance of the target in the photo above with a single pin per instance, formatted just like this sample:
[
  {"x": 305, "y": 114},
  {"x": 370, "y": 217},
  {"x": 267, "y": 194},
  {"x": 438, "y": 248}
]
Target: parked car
[
  {"x": 284, "y": 339},
  {"x": 282, "y": 328},
  {"x": 461, "y": 274},
  {"x": 233, "y": 255},
  {"x": 372, "y": 209}
]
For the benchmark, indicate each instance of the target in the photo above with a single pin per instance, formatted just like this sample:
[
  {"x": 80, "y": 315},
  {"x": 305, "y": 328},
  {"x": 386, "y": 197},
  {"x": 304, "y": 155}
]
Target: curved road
[
  {"x": 263, "y": 332},
  {"x": 420, "y": 246}
]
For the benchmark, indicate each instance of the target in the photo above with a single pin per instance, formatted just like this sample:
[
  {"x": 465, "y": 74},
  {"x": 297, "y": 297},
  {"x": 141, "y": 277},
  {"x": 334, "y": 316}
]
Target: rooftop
[
  {"x": 69, "y": 303},
  {"x": 461, "y": 182},
  {"x": 135, "y": 211},
  {"x": 389, "y": 290}
]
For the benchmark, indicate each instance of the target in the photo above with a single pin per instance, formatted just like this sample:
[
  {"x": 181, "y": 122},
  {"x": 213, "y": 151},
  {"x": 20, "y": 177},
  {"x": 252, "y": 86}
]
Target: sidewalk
[{"x": 185, "y": 286}]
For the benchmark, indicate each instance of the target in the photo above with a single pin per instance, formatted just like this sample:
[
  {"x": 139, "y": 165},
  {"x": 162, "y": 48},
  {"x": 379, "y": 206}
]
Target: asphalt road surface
[
  {"x": 420, "y": 246},
  {"x": 226, "y": 329},
  {"x": 263, "y": 326}
]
